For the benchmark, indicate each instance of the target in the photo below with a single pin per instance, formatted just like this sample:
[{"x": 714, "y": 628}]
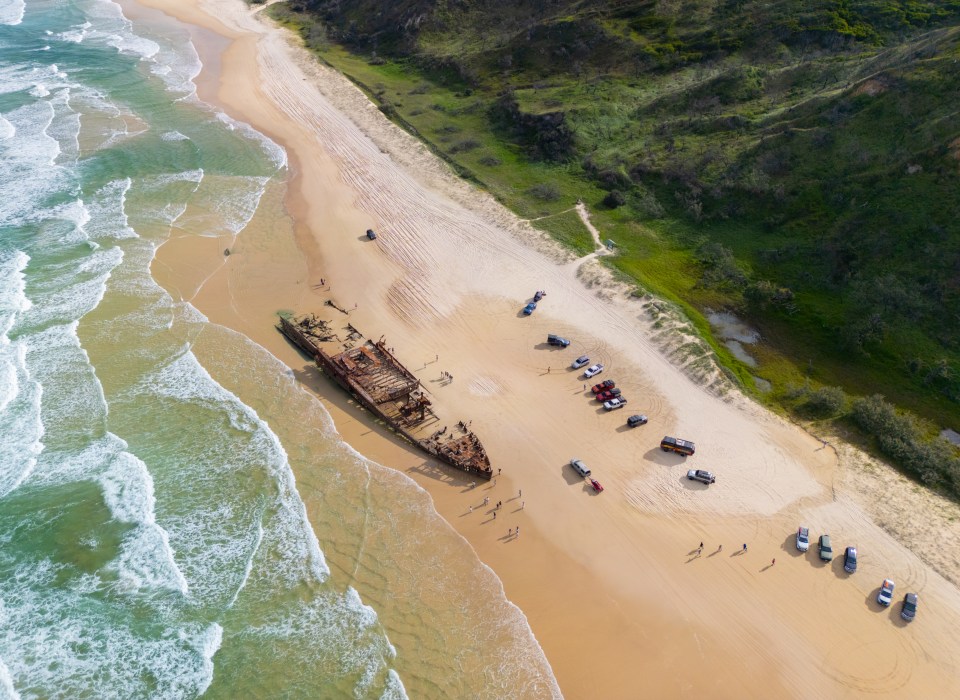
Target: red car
[
  {"x": 605, "y": 385},
  {"x": 607, "y": 395},
  {"x": 597, "y": 486}
]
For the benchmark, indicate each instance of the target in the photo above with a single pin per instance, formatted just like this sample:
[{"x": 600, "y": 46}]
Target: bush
[
  {"x": 545, "y": 191},
  {"x": 825, "y": 402},
  {"x": 614, "y": 199},
  {"x": 900, "y": 437}
]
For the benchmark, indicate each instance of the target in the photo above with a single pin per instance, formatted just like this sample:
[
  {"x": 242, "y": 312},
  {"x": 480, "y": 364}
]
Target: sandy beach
[{"x": 612, "y": 584}]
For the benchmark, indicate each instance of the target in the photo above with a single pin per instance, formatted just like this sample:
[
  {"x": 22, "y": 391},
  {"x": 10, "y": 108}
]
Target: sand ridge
[{"x": 611, "y": 582}]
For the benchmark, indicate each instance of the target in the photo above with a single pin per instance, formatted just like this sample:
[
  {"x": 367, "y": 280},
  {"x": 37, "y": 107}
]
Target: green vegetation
[{"x": 796, "y": 162}]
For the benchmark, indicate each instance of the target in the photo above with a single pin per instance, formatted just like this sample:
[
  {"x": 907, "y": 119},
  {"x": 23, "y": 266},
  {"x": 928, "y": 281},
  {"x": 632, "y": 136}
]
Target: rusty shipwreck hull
[{"x": 371, "y": 373}]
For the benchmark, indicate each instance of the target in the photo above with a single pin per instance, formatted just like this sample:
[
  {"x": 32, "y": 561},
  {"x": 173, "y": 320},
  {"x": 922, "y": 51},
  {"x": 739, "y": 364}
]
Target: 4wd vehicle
[
  {"x": 371, "y": 234},
  {"x": 908, "y": 610},
  {"x": 803, "y": 538},
  {"x": 593, "y": 370},
  {"x": 557, "y": 341},
  {"x": 850, "y": 560},
  {"x": 605, "y": 385},
  {"x": 614, "y": 404},
  {"x": 530, "y": 308},
  {"x": 681, "y": 447},
  {"x": 885, "y": 596},
  {"x": 607, "y": 395},
  {"x": 579, "y": 467},
  {"x": 701, "y": 475},
  {"x": 636, "y": 419},
  {"x": 823, "y": 546},
  {"x": 580, "y": 362}
]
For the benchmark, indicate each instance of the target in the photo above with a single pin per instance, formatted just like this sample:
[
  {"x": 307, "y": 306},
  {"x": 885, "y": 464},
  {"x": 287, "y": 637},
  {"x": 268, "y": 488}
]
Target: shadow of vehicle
[
  {"x": 667, "y": 459},
  {"x": 624, "y": 428},
  {"x": 871, "y": 601},
  {"x": 837, "y": 565},
  {"x": 813, "y": 555},
  {"x": 790, "y": 546},
  {"x": 571, "y": 477},
  {"x": 895, "y": 608},
  {"x": 693, "y": 484}
]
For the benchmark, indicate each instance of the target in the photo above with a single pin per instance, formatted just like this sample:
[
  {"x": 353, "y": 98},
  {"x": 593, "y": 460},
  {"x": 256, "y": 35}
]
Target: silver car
[
  {"x": 580, "y": 362},
  {"x": 579, "y": 467}
]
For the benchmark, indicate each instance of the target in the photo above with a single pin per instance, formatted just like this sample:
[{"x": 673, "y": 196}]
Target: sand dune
[{"x": 612, "y": 584}]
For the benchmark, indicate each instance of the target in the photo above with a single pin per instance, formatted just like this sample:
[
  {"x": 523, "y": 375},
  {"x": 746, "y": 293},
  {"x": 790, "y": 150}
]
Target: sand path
[{"x": 611, "y": 583}]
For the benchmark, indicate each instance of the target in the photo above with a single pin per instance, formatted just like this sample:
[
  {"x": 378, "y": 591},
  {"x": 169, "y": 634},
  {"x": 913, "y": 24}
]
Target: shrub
[
  {"x": 545, "y": 191},
  {"x": 465, "y": 145},
  {"x": 825, "y": 402},
  {"x": 614, "y": 199}
]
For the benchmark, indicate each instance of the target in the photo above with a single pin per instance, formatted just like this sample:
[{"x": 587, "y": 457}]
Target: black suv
[
  {"x": 850, "y": 560},
  {"x": 557, "y": 340}
]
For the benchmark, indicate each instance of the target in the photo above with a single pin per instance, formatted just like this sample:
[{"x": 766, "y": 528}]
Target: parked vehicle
[
  {"x": 538, "y": 295},
  {"x": 593, "y": 370},
  {"x": 597, "y": 486},
  {"x": 371, "y": 234},
  {"x": 557, "y": 340},
  {"x": 607, "y": 395},
  {"x": 908, "y": 609},
  {"x": 850, "y": 560},
  {"x": 579, "y": 467},
  {"x": 803, "y": 538},
  {"x": 605, "y": 385},
  {"x": 824, "y": 548},
  {"x": 580, "y": 362},
  {"x": 885, "y": 596},
  {"x": 614, "y": 404},
  {"x": 636, "y": 419},
  {"x": 681, "y": 447},
  {"x": 530, "y": 308},
  {"x": 701, "y": 475}
]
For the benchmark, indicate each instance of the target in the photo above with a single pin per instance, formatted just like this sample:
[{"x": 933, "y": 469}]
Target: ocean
[{"x": 154, "y": 539}]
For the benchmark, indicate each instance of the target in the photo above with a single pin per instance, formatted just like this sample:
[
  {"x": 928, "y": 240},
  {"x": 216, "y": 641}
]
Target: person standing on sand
[
  {"x": 720, "y": 548},
  {"x": 518, "y": 530},
  {"x": 744, "y": 546},
  {"x": 772, "y": 562},
  {"x": 522, "y": 504}
]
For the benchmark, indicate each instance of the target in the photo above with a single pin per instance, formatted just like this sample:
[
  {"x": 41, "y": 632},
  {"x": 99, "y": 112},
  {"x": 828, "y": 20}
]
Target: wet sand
[{"x": 611, "y": 583}]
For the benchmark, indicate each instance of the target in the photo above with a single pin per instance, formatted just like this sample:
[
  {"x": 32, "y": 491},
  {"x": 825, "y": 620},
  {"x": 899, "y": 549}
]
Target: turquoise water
[{"x": 153, "y": 540}]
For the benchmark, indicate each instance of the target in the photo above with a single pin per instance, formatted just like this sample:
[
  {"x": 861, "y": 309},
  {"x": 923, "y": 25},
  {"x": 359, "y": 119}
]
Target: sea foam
[{"x": 12, "y": 11}]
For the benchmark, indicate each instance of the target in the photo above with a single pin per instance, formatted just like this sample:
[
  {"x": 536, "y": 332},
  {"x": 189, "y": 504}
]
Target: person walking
[
  {"x": 772, "y": 562},
  {"x": 518, "y": 530},
  {"x": 744, "y": 546},
  {"x": 701, "y": 545},
  {"x": 522, "y": 504},
  {"x": 519, "y": 493},
  {"x": 494, "y": 515},
  {"x": 720, "y": 548}
]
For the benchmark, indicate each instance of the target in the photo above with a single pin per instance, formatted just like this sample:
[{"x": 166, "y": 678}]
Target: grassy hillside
[{"x": 796, "y": 162}]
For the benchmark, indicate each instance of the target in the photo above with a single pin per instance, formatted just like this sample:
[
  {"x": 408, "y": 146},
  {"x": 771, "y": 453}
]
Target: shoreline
[{"x": 625, "y": 559}]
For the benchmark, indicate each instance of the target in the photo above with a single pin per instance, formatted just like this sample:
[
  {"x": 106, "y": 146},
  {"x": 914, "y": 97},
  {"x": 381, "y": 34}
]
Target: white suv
[
  {"x": 803, "y": 538},
  {"x": 579, "y": 467}
]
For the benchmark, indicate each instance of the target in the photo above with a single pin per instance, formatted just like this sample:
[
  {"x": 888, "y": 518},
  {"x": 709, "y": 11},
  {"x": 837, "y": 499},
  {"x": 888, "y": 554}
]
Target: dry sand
[{"x": 611, "y": 583}]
